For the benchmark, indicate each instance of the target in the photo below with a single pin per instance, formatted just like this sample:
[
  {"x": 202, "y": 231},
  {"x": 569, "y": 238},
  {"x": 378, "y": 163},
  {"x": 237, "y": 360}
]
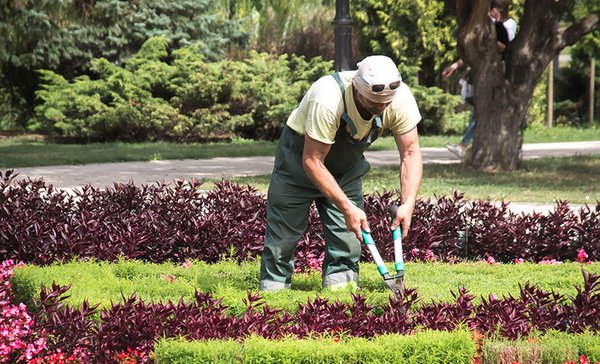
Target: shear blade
[{"x": 396, "y": 289}]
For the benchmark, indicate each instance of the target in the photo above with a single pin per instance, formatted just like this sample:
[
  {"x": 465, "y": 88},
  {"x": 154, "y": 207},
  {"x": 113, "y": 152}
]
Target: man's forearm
[
  {"x": 411, "y": 173},
  {"x": 324, "y": 181}
]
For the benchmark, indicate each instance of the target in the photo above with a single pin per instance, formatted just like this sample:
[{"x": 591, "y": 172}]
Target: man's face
[{"x": 374, "y": 108}]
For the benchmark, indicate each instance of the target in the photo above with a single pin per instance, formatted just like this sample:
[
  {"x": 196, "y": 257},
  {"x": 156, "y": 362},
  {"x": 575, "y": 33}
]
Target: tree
[{"x": 504, "y": 84}]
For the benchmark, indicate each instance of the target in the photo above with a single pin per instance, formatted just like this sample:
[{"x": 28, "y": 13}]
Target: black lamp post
[{"x": 343, "y": 35}]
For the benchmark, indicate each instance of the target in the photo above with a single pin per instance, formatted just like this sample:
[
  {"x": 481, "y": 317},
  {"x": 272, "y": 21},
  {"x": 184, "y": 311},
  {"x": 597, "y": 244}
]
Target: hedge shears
[{"x": 394, "y": 282}]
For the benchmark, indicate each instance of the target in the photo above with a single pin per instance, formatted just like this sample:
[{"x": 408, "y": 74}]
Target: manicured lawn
[
  {"x": 105, "y": 282},
  {"x": 30, "y": 151},
  {"x": 574, "y": 179}
]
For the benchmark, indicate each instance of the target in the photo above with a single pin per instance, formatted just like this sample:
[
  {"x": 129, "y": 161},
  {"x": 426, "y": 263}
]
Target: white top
[{"x": 511, "y": 28}]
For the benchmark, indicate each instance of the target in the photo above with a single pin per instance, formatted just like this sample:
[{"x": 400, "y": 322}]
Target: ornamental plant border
[
  {"x": 177, "y": 221},
  {"x": 131, "y": 327}
]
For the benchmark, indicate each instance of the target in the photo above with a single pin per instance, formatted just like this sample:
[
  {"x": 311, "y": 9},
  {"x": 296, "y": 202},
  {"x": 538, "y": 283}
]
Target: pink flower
[
  {"x": 490, "y": 260},
  {"x": 519, "y": 261},
  {"x": 582, "y": 256},
  {"x": 550, "y": 262}
]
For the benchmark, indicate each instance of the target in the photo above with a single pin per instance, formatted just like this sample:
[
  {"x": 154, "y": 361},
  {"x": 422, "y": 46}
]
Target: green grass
[
  {"x": 546, "y": 180},
  {"x": 106, "y": 282},
  {"x": 23, "y": 152},
  {"x": 28, "y": 151}
]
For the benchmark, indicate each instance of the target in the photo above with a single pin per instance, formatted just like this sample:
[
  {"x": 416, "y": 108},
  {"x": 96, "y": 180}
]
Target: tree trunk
[{"x": 498, "y": 136}]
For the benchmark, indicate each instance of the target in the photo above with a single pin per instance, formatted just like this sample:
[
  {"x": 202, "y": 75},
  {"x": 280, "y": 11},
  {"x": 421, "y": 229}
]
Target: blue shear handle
[
  {"x": 397, "y": 233},
  {"x": 367, "y": 238}
]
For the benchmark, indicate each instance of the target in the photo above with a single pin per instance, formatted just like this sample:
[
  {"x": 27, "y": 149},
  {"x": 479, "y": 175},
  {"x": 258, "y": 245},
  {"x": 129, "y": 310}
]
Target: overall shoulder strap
[{"x": 345, "y": 117}]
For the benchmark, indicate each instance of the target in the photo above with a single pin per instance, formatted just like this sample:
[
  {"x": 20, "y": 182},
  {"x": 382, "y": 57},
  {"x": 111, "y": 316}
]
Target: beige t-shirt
[{"x": 319, "y": 112}]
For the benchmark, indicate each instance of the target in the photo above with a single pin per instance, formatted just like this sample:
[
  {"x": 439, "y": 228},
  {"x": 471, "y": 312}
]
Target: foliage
[
  {"x": 437, "y": 109},
  {"x": 52, "y": 35},
  {"x": 134, "y": 323},
  {"x": 13, "y": 113},
  {"x": 419, "y": 35},
  {"x": 268, "y": 88},
  {"x": 105, "y": 282},
  {"x": 553, "y": 348},
  {"x": 282, "y": 27},
  {"x": 177, "y": 96},
  {"x": 41, "y": 225},
  {"x": 427, "y": 346},
  {"x": 573, "y": 83},
  {"x": 64, "y": 36}
]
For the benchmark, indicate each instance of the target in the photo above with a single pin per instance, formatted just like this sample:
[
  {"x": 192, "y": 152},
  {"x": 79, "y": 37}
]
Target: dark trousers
[{"x": 290, "y": 196}]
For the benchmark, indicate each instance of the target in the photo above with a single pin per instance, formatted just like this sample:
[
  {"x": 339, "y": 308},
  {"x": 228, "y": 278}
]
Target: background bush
[
  {"x": 176, "y": 96},
  {"x": 65, "y": 36}
]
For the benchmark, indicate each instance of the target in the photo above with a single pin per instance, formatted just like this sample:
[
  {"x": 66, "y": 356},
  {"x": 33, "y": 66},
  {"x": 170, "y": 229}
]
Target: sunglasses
[{"x": 379, "y": 87}]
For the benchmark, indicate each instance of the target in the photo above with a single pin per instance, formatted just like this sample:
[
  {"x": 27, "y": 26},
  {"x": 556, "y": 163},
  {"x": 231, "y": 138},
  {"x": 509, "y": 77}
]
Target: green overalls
[{"x": 290, "y": 196}]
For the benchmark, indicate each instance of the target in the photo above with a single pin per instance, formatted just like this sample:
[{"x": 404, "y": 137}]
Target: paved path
[{"x": 105, "y": 174}]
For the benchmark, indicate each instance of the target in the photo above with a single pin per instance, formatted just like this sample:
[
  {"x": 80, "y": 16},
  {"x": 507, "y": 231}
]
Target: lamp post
[{"x": 342, "y": 24}]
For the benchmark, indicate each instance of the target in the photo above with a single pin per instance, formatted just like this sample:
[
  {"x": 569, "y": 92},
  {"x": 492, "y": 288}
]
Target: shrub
[
  {"x": 437, "y": 108},
  {"x": 157, "y": 95},
  {"x": 175, "y": 222}
]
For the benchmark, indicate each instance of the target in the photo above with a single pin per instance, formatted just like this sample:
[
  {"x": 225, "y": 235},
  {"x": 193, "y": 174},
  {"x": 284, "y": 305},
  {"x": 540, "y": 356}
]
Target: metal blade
[{"x": 396, "y": 288}]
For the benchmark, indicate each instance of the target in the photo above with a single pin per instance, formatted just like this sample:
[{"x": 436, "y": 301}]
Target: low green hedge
[
  {"x": 103, "y": 282},
  {"x": 423, "y": 347}
]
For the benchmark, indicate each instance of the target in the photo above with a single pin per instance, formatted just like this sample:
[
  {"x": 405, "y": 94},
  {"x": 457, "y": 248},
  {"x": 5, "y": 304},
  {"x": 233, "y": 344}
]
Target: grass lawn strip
[{"x": 104, "y": 282}]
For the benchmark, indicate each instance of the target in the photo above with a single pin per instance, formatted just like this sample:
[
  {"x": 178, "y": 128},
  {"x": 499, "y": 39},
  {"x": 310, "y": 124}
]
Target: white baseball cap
[{"x": 377, "y": 79}]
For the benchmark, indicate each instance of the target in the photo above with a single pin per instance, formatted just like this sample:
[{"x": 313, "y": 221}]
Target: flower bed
[
  {"x": 42, "y": 225},
  {"x": 129, "y": 329}
]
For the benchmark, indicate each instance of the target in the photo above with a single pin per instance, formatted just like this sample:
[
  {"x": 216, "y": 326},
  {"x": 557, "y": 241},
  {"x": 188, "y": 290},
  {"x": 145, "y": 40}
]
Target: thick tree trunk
[{"x": 504, "y": 84}]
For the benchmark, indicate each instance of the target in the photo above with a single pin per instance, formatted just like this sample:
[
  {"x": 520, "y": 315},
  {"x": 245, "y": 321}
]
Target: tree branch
[{"x": 577, "y": 30}]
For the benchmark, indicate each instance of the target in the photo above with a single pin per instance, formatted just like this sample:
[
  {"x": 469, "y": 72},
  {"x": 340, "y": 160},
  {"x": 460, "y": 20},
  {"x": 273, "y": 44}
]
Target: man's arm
[
  {"x": 313, "y": 161},
  {"x": 448, "y": 71},
  {"x": 411, "y": 172}
]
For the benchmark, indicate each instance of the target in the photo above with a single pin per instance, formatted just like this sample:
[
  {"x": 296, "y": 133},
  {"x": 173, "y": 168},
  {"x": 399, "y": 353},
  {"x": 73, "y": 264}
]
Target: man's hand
[
  {"x": 356, "y": 219},
  {"x": 448, "y": 71},
  {"x": 403, "y": 218}
]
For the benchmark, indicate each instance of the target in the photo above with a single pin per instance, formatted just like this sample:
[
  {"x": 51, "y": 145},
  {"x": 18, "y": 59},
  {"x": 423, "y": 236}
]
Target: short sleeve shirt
[{"x": 321, "y": 109}]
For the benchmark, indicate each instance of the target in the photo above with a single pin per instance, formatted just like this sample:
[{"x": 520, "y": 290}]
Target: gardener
[{"x": 320, "y": 158}]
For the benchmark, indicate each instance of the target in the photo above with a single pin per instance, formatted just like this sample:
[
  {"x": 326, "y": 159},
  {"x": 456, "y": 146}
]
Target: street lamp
[{"x": 342, "y": 25}]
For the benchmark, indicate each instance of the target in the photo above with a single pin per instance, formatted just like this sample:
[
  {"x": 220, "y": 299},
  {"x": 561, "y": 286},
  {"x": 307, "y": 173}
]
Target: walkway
[{"x": 105, "y": 174}]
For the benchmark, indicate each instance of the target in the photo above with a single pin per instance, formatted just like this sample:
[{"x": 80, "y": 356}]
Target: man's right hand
[
  {"x": 448, "y": 71},
  {"x": 356, "y": 219}
]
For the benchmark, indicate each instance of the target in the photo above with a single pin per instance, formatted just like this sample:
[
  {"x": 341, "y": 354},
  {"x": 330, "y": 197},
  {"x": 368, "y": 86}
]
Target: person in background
[
  {"x": 506, "y": 28},
  {"x": 319, "y": 158}
]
